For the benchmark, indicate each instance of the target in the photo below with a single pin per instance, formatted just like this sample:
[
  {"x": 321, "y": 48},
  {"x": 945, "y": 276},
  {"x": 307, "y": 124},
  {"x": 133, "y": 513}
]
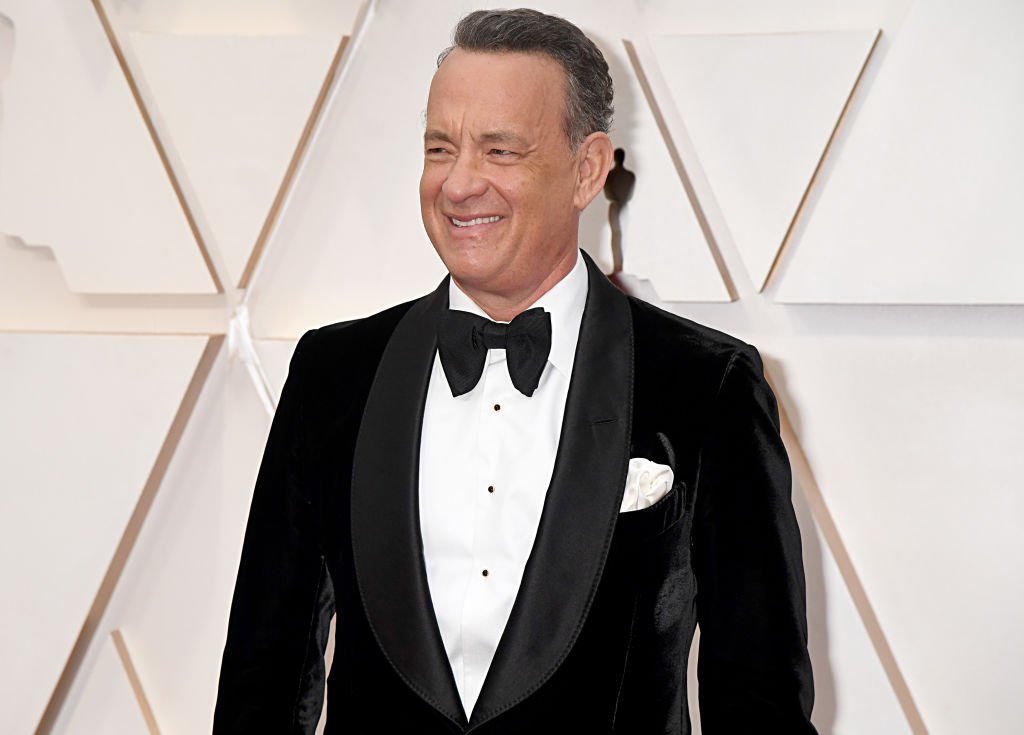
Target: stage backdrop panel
[
  {"x": 915, "y": 443},
  {"x": 760, "y": 110},
  {"x": 81, "y": 173},
  {"x": 923, "y": 203},
  {"x": 234, "y": 108},
  {"x": 173, "y": 600},
  {"x": 84, "y": 419}
]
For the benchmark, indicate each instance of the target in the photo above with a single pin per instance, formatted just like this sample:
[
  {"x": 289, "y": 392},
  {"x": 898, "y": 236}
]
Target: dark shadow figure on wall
[
  {"x": 594, "y": 221},
  {"x": 618, "y": 189}
]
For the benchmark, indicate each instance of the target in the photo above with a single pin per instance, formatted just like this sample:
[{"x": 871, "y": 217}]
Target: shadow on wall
[
  {"x": 594, "y": 221},
  {"x": 825, "y": 704}
]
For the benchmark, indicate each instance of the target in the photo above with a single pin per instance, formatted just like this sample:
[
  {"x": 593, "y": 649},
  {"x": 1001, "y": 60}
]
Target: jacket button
[{"x": 486, "y": 572}]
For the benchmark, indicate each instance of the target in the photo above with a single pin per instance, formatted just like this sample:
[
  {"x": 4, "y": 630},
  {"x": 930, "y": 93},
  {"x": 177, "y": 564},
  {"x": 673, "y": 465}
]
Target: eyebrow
[
  {"x": 437, "y": 135},
  {"x": 496, "y": 136},
  {"x": 502, "y": 136}
]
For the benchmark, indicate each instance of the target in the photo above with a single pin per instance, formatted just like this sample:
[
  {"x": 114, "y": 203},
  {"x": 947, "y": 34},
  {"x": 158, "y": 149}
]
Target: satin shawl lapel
[
  {"x": 580, "y": 509},
  {"x": 386, "y": 542}
]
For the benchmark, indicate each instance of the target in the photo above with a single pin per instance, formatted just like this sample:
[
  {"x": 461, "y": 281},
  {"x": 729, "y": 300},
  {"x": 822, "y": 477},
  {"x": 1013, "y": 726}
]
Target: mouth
[{"x": 476, "y": 221}]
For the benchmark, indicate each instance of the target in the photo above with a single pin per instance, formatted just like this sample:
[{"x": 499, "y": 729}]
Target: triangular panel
[
  {"x": 760, "y": 110},
  {"x": 107, "y": 704},
  {"x": 234, "y": 108},
  {"x": 921, "y": 203}
]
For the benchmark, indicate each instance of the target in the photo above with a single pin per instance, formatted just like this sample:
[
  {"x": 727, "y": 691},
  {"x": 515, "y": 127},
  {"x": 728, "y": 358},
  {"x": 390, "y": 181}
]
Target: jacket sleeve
[
  {"x": 753, "y": 667},
  {"x": 272, "y": 672}
]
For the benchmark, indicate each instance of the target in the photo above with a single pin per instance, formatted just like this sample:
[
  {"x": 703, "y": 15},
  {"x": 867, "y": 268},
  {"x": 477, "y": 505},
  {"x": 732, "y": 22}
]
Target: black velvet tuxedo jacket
[{"x": 597, "y": 641}]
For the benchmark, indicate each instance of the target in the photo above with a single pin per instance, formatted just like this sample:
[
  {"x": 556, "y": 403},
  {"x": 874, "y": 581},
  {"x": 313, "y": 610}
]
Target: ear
[{"x": 594, "y": 162}]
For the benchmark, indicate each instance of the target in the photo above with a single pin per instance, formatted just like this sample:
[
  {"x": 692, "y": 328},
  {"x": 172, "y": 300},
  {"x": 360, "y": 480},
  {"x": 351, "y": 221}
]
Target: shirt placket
[{"x": 487, "y": 584}]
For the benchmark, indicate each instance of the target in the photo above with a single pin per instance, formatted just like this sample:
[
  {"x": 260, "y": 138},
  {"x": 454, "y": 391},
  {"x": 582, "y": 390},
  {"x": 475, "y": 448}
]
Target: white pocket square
[{"x": 647, "y": 482}]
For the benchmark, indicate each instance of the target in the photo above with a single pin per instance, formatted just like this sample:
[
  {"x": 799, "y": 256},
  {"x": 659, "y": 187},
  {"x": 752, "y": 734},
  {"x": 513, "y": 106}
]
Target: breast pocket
[
  {"x": 657, "y": 519},
  {"x": 652, "y": 551}
]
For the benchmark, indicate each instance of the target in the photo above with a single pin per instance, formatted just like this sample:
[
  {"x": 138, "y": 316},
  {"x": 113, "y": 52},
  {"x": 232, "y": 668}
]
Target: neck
[{"x": 506, "y": 307}]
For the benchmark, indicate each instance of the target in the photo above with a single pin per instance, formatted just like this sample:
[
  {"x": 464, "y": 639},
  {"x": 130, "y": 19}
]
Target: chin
[
  {"x": 479, "y": 280},
  {"x": 468, "y": 267},
  {"x": 475, "y": 278}
]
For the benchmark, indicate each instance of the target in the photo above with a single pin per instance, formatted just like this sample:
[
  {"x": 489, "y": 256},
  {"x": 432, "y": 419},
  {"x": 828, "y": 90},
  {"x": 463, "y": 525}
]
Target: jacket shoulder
[
  {"x": 344, "y": 340},
  {"x": 673, "y": 337}
]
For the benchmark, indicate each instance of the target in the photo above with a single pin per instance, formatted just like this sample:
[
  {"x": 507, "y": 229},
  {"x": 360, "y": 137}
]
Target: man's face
[{"x": 498, "y": 192}]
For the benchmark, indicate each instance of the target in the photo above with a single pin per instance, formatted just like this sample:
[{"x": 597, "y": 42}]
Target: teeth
[{"x": 477, "y": 221}]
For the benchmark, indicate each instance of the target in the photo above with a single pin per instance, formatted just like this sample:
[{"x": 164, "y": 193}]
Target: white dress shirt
[{"x": 486, "y": 460}]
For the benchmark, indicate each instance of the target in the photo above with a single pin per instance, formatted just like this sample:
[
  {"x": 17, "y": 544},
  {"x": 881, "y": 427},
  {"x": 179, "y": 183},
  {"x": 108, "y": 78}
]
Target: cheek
[
  {"x": 430, "y": 185},
  {"x": 425, "y": 196},
  {"x": 428, "y": 210}
]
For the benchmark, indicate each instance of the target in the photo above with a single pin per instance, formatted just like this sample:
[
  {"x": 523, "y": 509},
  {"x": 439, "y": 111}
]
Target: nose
[{"x": 464, "y": 179}]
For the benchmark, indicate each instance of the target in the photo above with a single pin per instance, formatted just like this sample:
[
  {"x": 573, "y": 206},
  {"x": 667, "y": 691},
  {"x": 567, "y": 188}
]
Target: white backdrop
[{"x": 187, "y": 185}]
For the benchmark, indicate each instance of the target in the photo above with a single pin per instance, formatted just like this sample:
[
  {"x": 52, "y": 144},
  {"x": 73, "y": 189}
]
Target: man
[{"x": 453, "y": 486}]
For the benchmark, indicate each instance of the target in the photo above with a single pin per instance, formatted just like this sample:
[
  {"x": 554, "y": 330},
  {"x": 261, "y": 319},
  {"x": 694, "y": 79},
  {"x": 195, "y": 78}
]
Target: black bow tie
[{"x": 463, "y": 340}]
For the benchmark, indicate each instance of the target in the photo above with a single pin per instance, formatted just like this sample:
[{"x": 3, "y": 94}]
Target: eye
[{"x": 500, "y": 152}]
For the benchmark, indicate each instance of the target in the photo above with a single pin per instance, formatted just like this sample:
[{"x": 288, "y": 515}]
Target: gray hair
[{"x": 588, "y": 97}]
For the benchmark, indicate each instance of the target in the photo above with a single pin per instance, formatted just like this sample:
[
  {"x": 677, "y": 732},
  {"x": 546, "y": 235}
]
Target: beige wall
[{"x": 187, "y": 185}]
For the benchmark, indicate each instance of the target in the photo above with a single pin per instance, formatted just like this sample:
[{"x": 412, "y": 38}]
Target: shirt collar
[{"x": 565, "y": 302}]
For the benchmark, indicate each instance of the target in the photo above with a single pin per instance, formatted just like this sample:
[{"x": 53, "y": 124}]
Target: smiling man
[
  {"x": 521, "y": 492},
  {"x": 502, "y": 186}
]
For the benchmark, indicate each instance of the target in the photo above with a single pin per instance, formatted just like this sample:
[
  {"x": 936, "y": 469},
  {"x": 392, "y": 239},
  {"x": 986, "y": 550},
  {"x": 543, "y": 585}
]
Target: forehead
[{"x": 497, "y": 88}]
